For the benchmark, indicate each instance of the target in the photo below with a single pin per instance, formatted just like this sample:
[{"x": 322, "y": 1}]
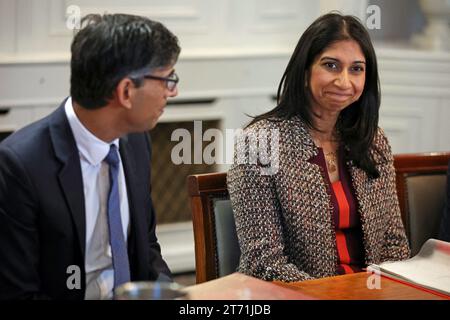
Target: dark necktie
[{"x": 118, "y": 246}]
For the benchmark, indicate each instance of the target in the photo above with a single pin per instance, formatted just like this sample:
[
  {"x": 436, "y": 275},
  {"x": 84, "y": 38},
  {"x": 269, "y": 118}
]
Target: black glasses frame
[{"x": 171, "y": 81}]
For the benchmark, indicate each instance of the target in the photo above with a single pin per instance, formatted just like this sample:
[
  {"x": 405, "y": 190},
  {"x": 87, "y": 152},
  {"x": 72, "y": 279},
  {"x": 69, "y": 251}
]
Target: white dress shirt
[{"x": 95, "y": 173}]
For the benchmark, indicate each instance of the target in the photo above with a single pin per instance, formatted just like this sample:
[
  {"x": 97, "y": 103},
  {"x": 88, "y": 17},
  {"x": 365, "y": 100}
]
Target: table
[
  {"x": 238, "y": 286},
  {"x": 354, "y": 287},
  {"x": 347, "y": 287}
]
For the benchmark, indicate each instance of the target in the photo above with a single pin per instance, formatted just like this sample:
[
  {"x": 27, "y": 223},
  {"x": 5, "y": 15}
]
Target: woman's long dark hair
[{"x": 357, "y": 124}]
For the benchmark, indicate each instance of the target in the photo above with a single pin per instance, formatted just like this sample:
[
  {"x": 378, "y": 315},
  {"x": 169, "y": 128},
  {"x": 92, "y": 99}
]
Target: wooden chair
[
  {"x": 216, "y": 246},
  {"x": 421, "y": 180}
]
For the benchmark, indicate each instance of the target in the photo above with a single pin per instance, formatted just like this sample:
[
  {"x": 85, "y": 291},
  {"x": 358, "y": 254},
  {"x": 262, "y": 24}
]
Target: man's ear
[{"x": 124, "y": 92}]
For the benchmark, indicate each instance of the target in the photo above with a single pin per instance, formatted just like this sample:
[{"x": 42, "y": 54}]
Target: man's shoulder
[
  {"x": 138, "y": 141},
  {"x": 31, "y": 140},
  {"x": 137, "y": 145},
  {"x": 27, "y": 136}
]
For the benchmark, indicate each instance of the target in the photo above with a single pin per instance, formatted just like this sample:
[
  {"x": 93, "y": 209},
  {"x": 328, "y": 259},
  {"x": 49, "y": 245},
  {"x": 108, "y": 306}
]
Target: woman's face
[{"x": 337, "y": 77}]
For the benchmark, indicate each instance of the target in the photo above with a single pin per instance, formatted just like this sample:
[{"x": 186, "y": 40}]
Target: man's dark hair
[
  {"x": 358, "y": 123},
  {"x": 113, "y": 46}
]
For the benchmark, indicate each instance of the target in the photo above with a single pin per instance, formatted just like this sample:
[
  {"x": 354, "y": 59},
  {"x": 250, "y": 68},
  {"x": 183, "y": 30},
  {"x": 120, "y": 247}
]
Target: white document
[{"x": 430, "y": 268}]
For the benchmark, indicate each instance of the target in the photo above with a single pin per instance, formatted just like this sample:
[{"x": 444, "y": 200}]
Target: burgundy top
[{"x": 349, "y": 238}]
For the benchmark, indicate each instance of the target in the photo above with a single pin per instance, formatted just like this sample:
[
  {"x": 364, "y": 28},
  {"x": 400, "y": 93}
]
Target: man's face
[{"x": 149, "y": 100}]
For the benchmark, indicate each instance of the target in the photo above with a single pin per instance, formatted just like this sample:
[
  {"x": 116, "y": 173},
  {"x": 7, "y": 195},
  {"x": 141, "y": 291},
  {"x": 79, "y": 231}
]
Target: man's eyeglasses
[{"x": 171, "y": 80}]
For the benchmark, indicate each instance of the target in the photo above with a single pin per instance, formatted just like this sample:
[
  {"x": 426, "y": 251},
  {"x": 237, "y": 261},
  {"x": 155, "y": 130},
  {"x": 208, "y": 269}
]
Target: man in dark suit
[
  {"x": 444, "y": 232},
  {"x": 76, "y": 215}
]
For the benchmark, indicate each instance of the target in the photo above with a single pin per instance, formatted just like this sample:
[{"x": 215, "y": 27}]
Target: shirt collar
[{"x": 91, "y": 148}]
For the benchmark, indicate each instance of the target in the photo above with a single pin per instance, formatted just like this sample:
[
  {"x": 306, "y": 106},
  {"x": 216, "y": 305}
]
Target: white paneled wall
[
  {"x": 235, "y": 52},
  {"x": 415, "y": 99},
  {"x": 32, "y": 27}
]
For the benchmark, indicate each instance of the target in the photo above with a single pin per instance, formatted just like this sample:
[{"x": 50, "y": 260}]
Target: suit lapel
[
  {"x": 70, "y": 177},
  {"x": 133, "y": 186}
]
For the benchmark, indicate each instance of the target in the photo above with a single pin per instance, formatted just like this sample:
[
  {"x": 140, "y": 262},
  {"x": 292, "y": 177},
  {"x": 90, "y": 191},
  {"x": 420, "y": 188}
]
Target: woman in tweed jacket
[{"x": 323, "y": 137}]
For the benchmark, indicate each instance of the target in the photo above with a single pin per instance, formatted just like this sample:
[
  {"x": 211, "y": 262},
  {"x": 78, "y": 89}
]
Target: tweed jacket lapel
[
  {"x": 368, "y": 195},
  {"x": 360, "y": 186}
]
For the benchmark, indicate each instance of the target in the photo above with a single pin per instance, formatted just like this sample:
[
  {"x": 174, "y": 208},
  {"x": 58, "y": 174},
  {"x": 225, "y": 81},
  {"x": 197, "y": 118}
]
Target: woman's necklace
[{"x": 331, "y": 158}]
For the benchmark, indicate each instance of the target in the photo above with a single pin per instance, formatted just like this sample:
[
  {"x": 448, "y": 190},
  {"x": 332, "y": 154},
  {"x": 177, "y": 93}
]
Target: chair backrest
[
  {"x": 421, "y": 180},
  {"x": 216, "y": 245}
]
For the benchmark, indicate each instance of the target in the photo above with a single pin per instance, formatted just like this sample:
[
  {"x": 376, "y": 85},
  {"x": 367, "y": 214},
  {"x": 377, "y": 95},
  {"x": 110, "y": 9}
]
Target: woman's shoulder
[
  {"x": 264, "y": 132},
  {"x": 265, "y": 124},
  {"x": 284, "y": 126},
  {"x": 381, "y": 150}
]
